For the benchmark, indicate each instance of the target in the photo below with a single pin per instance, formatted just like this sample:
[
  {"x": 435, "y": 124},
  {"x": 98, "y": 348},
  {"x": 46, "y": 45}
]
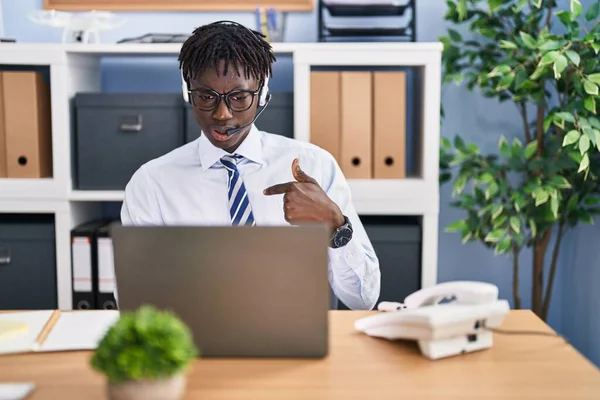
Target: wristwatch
[{"x": 342, "y": 235}]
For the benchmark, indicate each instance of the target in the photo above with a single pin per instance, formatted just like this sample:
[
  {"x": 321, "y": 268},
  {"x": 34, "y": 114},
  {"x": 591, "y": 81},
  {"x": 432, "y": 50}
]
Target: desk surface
[{"x": 358, "y": 367}]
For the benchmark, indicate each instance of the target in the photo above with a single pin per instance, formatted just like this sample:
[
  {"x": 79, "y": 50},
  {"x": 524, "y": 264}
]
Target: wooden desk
[{"x": 359, "y": 367}]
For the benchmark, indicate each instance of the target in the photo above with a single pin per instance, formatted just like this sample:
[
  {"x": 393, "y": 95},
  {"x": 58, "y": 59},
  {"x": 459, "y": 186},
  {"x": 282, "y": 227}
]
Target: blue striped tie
[{"x": 239, "y": 204}]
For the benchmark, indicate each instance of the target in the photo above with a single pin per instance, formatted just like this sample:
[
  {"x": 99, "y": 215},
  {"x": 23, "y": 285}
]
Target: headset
[{"x": 264, "y": 96}]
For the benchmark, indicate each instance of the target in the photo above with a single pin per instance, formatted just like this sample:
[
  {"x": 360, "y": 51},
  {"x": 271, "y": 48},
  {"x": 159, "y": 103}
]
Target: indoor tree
[{"x": 544, "y": 59}]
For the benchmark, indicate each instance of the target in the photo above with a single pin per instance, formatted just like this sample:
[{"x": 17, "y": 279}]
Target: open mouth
[{"x": 220, "y": 136}]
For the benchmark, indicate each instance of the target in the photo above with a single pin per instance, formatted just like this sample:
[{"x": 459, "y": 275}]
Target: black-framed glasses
[{"x": 236, "y": 100}]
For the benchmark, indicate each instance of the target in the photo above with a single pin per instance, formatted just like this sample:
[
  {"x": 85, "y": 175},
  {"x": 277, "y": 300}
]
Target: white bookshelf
[{"x": 76, "y": 68}]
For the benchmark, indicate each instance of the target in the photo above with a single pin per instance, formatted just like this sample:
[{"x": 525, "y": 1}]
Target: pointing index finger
[{"x": 279, "y": 188}]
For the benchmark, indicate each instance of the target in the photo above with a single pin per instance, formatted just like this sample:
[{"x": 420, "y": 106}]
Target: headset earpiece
[
  {"x": 184, "y": 88},
  {"x": 264, "y": 95}
]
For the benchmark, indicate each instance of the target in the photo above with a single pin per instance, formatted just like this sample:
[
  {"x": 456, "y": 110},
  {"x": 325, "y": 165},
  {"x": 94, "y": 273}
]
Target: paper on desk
[
  {"x": 80, "y": 330},
  {"x": 35, "y": 321},
  {"x": 15, "y": 391}
]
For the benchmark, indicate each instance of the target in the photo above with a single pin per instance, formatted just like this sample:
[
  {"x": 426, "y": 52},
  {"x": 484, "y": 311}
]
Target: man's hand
[{"x": 305, "y": 201}]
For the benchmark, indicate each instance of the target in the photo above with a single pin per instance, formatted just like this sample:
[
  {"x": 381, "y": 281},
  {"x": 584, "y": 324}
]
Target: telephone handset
[
  {"x": 463, "y": 292},
  {"x": 447, "y": 319}
]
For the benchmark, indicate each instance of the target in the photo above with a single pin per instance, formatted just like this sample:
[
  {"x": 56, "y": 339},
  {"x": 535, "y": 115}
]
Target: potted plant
[
  {"x": 145, "y": 355},
  {"x": 528, "y": 194}
]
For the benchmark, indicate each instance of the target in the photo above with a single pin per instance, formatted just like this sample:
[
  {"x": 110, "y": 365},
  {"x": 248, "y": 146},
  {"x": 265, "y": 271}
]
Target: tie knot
[{"x": 230, "y": 161}]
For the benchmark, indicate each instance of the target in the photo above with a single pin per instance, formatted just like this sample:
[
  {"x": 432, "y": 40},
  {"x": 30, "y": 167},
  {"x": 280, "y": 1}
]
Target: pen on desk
[{"x": 39, "y": 341}]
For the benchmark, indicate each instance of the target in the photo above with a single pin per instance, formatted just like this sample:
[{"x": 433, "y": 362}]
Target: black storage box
[
  {"x": 118, "y": 132},
  {"x": 397, "y": 243},
  {"x": 27, "y": 262},
  {"x": 277, "y": 118}
]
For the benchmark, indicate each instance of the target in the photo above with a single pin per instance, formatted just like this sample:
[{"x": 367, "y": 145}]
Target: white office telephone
[{"x": 447, "y": 319}]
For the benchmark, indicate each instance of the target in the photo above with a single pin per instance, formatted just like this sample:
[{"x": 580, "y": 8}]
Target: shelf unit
[
  {"x": 364, "y": 11},
  {"x": 76, "y": 68}
]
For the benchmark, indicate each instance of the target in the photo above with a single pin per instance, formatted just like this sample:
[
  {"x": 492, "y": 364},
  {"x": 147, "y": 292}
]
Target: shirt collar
[{"x": 250, "y": 149}]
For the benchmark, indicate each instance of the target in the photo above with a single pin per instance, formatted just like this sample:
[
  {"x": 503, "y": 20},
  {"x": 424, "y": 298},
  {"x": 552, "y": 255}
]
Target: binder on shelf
[
  {"x": 27, "y": 124},
  {"x": 84, "y": 264},
  {"x": 389, "y": 124},
  {"x": 106, "y": 283},
  {"x": 325, "y": 111},
  {"x": 3, "y": 155},
  {"x": 356, "y": 124}
]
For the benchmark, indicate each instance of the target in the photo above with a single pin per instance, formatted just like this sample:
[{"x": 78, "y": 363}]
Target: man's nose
[{"x": 222, "y": 113}]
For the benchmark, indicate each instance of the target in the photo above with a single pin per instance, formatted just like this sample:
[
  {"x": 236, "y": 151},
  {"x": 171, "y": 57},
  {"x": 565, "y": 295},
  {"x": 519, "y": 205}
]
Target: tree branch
[
  {"x": 528, "y": 137},
  {"x": 517, "y": 298},
  {"x": 549, "y": 16},
  {"x": 540, "y": 130},
  {"x": 554, "y": 261}
]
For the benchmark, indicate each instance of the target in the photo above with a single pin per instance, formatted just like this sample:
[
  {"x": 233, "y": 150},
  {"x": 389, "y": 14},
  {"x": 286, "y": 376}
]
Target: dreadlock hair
[{"x": 235, "y": 44}]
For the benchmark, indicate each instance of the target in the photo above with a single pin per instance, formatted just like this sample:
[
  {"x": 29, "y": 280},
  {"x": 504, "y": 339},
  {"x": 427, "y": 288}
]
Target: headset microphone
[{"x": 233, "y": 131}]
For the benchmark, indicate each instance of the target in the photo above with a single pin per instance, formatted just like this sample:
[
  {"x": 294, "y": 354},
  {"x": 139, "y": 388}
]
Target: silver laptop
[{"x": 243, "y": 291}]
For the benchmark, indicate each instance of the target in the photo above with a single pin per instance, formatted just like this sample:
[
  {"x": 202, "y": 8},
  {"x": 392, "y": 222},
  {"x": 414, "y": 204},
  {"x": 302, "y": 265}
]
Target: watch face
[{"x": 342, "y": 237}]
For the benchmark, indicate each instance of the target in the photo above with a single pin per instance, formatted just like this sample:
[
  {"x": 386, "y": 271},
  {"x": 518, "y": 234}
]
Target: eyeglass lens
[{"x": 237, "y": 101}]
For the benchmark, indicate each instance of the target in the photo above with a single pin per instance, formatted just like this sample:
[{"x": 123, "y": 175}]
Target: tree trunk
[
  {"x": 517, "y": 298},
  {"x": 539, "y": 255},
  {"x": 553, "y": 263}
]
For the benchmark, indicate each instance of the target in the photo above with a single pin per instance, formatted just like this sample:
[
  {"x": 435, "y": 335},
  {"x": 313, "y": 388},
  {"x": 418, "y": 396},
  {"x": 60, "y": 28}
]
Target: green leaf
[
  {"x": 591, "y": 201},
  {"x": 505, "y": 81},
  {"x": 495, "y": 4},
  {"x": 503, "y": 146},
  {"x": 559, "y": 65},
  {"x": 533, "y": 227},
  {"x": 519, "y": 202},
  {"x": 550, "y": 45},
  {"x": 585, "y": 163},
  {"x": 541, "y": 196},
  {"x": 597, "y": 138},
  {"x": 459, "y": 184},
  {"x": 550, "y": 57},
  {"x": 593, "y": 12},
  {"x": 499, "y": 70},
  {"x": 576, "y": 8},
  {"x": 595, "y": 122},
  {"x": 456, "y": 226},
  {"x": 496, "y": 211},
  {"x": 573, "y": 56},
  {"x": 590, "y": 104},
  {"x": 486, "y": 177},
  {"x": 594, "y": 78},
  {"x": 495, "y": 235},
  {"x": 560, "y": 182},
  {"x": 565, "y": 116},
  {"x": 503, "y": 245},
  {"x": 530, "y": 149},
  {"x": 491, "y": 190},
  {"x": 454, "y": 35},
  {"x": 515, "y": 224},
  {"x": 596, "y": 47},
  {"x": 554, "y": 206},
  {"x": 505, "y": 44},
  {"x": 461, "y": 8},
  {"x": 584, "y": 144},
  {"x": 498, "y": 222},
  {"x": 528, "y": 40},
  {"x": 570, "y": 138},
  {"x": 590, "y": 87}
]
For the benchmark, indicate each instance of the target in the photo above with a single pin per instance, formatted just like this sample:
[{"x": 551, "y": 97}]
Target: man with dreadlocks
[{"x": 235, "y": 174}]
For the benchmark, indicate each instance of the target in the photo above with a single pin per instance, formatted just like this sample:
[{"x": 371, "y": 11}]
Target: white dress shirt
[{"x": 188, "y": 186}]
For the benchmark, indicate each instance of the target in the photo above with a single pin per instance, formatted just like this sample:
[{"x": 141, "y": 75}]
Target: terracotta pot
[{"x": 164, "y": 389}]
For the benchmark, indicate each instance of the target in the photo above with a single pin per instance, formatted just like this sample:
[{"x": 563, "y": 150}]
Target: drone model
[{"x": 78, "y": 27}]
